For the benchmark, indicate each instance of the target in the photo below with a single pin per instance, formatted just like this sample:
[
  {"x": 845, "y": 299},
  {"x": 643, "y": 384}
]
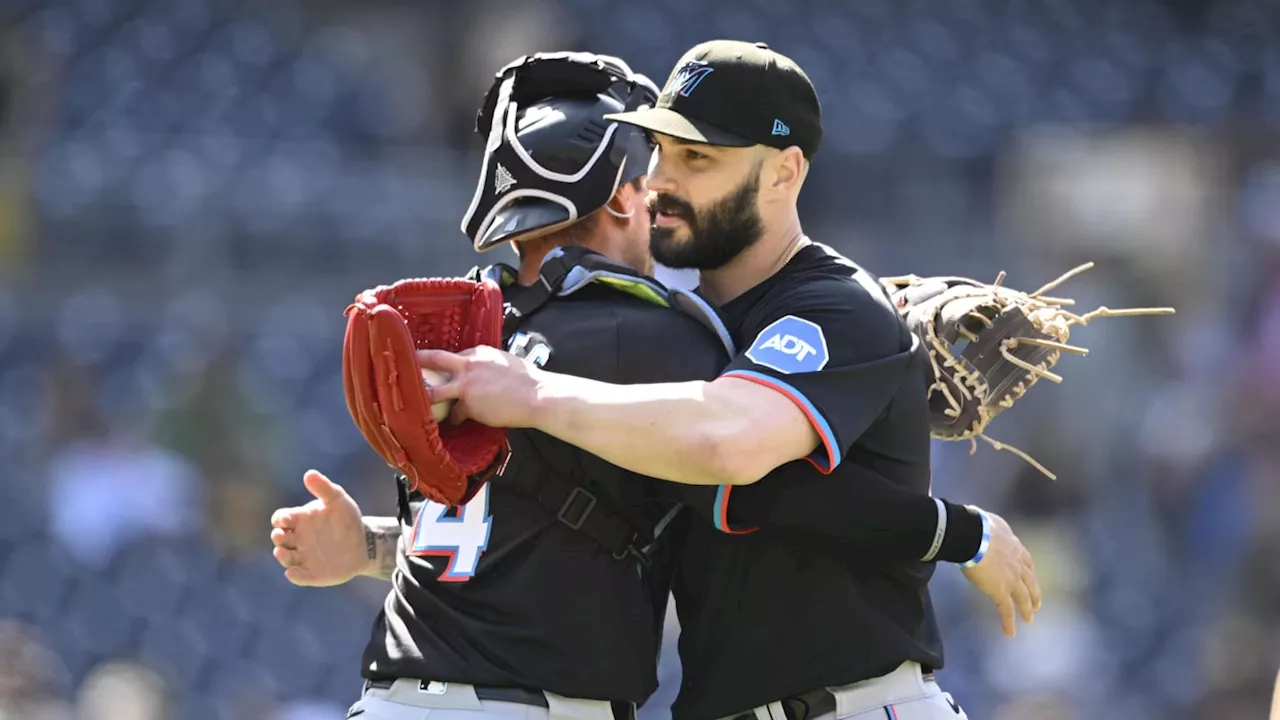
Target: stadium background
[{"x": 191, "y": 191}]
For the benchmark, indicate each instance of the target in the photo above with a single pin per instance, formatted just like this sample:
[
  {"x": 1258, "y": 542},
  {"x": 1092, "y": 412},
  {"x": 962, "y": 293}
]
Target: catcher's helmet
[{"x": 550, "y": 157}]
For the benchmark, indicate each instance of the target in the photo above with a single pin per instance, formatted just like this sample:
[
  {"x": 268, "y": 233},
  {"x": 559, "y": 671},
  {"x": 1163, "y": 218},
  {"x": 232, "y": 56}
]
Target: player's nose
[{"x": 659, "y": 180}]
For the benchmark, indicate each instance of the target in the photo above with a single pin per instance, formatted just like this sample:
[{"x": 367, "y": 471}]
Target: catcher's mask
[{"x": 550, "y": 157}]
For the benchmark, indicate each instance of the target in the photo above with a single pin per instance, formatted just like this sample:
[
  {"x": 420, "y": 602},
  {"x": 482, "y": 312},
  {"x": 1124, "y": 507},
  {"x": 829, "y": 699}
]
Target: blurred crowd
[{"x": 192, "y": 190}]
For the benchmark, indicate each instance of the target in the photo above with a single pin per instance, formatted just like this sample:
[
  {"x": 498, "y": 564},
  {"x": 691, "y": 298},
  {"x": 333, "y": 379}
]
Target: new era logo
[
  {"x": 502, "y": 180},
  {"x": 780, "y": 128}
]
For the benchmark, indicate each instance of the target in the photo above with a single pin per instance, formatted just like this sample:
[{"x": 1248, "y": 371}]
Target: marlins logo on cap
[
  {"x": 736, "y": 94},
  {"x": 686, "y": 79}
]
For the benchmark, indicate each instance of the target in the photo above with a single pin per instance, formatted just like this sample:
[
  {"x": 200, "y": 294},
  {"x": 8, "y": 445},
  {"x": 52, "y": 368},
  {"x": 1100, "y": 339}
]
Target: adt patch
[{"x": 790, "y": 345}]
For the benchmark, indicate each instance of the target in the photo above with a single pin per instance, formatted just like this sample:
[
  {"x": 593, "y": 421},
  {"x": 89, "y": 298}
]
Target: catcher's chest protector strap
[
  {"x": 568, "y": 270},
  {"x": 564, "y": 272}
]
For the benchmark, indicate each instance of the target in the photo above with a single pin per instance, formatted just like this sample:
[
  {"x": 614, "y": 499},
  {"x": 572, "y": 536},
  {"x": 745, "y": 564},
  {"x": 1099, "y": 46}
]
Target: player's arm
[
  {"x": 866, "y": 516},
  {"x": 382, "y": 546},
  {"x": 695, "y": 432},
  {"x": 863, "y": 516},
  {"x": 328, "y": 542},
  {"x": 820, "y": 368}
]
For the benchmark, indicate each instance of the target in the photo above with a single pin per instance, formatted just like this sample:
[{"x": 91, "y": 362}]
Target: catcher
[
  {"x": 822, "y": 399},
  {"x": 540, "y": 591}
]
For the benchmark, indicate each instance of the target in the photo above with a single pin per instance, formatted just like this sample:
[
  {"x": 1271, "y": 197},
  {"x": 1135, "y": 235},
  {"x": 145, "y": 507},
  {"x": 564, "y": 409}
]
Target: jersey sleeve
[
  {"x": 864, "y": 516},
  {"x": 836, "y": 348}
]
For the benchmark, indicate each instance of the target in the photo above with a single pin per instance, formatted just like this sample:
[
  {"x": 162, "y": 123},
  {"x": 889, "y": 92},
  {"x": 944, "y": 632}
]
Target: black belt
[
  {"x": 807, "y": 706},
  {"x": 517, "y": 695},
  {"x": 802, "y": 707}
]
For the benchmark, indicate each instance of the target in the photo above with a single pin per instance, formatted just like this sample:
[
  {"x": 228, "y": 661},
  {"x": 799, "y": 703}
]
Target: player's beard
[{"x": 717, "y": 234}]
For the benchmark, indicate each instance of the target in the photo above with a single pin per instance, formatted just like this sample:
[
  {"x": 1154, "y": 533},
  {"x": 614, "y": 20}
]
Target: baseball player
[
  {"x": 533, "y": 599},
  {"x": 542, "y": 595},
  {"x": 826, "y": 385}
]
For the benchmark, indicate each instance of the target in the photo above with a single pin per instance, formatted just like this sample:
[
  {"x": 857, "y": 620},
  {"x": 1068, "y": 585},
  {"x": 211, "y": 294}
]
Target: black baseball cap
[{"x": 735, "y": 93}]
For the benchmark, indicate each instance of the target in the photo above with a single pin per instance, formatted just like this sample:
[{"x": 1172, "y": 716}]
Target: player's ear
[
  {"x": 626, "y": 200},
  {"x": 786, "y": 171}
]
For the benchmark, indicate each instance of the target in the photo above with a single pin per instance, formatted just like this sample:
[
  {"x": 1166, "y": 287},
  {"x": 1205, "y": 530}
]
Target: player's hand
[
  {"x": 1007, "y": 575},
  {"x": 321, "y": 543},
  {"x": 489, "y": 386},
  {"x": 1275, "y": 701}
]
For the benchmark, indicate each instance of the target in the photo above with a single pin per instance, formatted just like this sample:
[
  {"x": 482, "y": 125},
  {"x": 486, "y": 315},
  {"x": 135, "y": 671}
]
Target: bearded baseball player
[
  {"x": 825, "y": 393},
  {"x": 541, "y": 594}
]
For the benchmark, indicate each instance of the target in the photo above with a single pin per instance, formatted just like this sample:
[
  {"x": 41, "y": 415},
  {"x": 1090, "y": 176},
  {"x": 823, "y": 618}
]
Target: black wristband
[{"x": 963, "y": 536}]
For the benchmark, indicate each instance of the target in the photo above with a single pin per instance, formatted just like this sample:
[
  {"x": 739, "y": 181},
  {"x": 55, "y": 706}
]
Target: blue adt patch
[{"x": 790, "y": 345}]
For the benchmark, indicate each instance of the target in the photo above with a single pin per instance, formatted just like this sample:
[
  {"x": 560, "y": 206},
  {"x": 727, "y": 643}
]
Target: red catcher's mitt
[{"x": 385, "y": 393}]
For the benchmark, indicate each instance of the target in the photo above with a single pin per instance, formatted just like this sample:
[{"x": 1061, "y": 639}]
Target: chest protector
[{"x": 573, "y": 500}]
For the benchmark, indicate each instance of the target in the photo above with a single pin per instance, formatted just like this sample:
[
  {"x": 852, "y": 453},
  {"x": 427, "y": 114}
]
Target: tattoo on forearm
[{"x": 382, "y": 543}]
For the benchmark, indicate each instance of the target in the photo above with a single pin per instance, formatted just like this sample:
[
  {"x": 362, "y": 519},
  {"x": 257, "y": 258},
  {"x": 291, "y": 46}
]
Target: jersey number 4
[{"x": 460, "y": 534}]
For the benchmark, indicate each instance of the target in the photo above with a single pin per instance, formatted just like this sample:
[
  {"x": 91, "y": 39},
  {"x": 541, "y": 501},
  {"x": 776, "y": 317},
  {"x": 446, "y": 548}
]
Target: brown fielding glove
[
  {"x": 385, "y": 392},
  {"x": 988, "y": 345}
]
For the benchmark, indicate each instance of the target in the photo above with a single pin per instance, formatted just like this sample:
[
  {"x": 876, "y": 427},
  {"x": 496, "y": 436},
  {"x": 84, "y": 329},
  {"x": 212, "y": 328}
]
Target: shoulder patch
[{"x": 790, "y": 345}]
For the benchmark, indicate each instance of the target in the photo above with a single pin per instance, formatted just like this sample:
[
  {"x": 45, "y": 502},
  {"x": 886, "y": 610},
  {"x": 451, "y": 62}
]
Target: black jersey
[
  {"x": 500, "y": 592},
  {"x": 765, "y": 616}
]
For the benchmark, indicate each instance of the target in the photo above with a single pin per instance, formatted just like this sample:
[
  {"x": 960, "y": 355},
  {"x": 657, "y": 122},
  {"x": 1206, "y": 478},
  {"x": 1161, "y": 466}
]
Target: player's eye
[{"x": 693, "y": 155}]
